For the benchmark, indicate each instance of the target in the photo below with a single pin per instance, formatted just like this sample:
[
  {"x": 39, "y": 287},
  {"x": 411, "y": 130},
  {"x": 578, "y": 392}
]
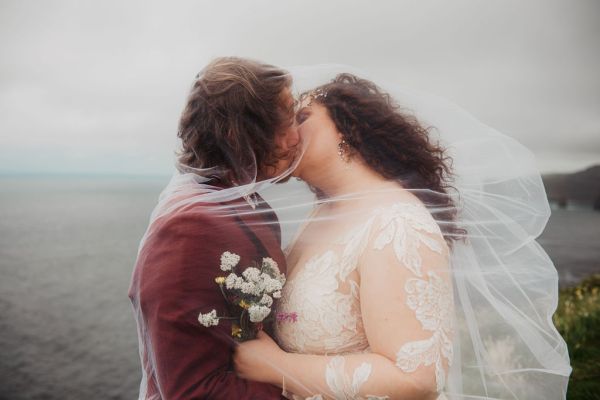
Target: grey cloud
[{"x": 92, "y": 78}]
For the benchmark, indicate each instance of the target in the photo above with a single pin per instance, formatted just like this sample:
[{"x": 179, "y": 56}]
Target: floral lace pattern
[
  {"x": 405, "y": 225},
  {"x": 432, "y": 302},
  {"x": 340, "y": 384},
  {"x": 330, "y": 322}
]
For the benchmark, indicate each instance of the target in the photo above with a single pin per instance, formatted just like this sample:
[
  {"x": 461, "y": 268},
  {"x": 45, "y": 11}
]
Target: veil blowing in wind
[{"x": 428, "y": 282}]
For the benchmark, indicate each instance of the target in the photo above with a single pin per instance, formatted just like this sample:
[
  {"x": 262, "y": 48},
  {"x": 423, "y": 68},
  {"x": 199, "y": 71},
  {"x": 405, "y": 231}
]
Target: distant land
[{"x": 578, "y": 189}]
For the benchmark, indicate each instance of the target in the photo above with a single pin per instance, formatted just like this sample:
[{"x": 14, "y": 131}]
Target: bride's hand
[{"x": 259, "y": 360}]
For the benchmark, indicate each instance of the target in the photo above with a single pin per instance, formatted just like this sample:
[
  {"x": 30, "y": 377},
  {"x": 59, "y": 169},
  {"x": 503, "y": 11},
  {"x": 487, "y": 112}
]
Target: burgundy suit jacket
[{"x": 174, "y": 280}]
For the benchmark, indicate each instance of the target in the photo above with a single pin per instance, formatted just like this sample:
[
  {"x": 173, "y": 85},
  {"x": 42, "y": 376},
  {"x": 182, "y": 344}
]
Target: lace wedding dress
[{"x": 322, "y": 294}]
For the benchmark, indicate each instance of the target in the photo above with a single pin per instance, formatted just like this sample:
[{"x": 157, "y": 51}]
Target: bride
[{"x": 398, "y": 287}]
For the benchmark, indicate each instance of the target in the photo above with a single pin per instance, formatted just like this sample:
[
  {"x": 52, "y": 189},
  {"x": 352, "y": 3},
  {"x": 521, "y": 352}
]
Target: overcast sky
[{"x": 98, "y": 87}]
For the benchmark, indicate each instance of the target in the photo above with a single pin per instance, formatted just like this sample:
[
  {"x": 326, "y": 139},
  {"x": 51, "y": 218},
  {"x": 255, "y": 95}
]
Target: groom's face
[{"x": 287, "y": 139}]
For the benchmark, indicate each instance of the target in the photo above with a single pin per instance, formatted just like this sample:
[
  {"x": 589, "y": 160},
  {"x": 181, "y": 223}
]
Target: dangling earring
[{"x": 343, "y": 151}]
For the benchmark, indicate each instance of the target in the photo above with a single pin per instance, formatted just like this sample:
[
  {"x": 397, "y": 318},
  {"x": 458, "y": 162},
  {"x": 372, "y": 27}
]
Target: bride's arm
[
  {"x": 368, "y": 375},
  {"x": 406, "y": 305}
]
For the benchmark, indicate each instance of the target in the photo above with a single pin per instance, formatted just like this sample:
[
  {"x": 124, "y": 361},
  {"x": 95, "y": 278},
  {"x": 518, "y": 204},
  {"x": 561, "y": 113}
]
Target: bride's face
[{"x": 319, "y": 137}]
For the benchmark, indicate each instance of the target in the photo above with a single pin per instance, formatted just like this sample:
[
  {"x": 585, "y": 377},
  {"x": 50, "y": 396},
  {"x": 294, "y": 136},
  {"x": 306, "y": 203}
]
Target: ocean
[{"x": 67, "y": 248}]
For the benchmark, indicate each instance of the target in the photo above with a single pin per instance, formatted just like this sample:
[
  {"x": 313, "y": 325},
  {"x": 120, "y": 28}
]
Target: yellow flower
[
  {"x": 236, "y": 331},
  {"x": 220, "y": 280},
  {"x": 243, "y": 304}
]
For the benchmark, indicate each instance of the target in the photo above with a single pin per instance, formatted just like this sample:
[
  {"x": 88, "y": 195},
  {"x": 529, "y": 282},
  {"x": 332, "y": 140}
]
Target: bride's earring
[{"x": 343, "y": 150}]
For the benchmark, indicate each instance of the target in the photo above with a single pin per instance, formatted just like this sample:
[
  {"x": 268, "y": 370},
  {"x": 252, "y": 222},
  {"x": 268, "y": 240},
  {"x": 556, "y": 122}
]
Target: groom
[{"x": 239, "y": 118}]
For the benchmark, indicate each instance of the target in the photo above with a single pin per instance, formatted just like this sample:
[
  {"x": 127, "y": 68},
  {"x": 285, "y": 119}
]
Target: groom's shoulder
[
  {"x": 200, "y": 218},
  {"x": 191, "y": 233}
]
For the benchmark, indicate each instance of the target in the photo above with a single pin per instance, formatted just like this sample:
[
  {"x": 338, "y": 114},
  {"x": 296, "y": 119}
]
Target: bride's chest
[
  {"x": 322, "y": 251},
  {"x": 322, "y": 275},
  {"x": 319, "y": 311},
  {"x": 322, "y": 270}
]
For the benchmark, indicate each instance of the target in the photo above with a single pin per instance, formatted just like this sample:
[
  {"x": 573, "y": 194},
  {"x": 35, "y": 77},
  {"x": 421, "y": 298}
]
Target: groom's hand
[{"x": 260, "y": 360}]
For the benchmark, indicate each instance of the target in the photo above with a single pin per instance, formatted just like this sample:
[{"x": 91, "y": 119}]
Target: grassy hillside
[{"x": 578, "y": 320}]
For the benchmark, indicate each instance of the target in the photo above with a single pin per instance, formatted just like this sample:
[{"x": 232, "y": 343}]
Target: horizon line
[{"x": 168, "y": 175}]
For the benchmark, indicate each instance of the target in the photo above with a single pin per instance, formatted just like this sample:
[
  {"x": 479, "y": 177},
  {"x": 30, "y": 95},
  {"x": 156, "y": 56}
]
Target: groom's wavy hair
[
  {"x": 233, "y": 113},
  {"x": 391, "y": 142}
]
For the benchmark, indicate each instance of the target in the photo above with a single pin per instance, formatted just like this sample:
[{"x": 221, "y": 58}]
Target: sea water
[{"x": 67, "y": 249}]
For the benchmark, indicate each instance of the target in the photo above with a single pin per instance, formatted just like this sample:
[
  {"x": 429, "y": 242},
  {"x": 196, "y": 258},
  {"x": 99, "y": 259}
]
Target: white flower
[
  {"x": 258, "y": 291},
  {"x": 272, "y": 285},
  {"x": 252, "y": 274},
  {"x": 209, "y": 319},
  {"x": 239, "y": 281},
  {"x": 281, "y": 279},
  {"x": 258, "y": 313},
  {"x": 266, "y": 300},
  {"x": 229, "y": 260},
  {"x": 230, "y": 280},
  {"x": 277, "y": 294},
  {"x": 270, "y": 263},
  {"x": 248, "y": 288},
  {"x": 272, "y": 269}
]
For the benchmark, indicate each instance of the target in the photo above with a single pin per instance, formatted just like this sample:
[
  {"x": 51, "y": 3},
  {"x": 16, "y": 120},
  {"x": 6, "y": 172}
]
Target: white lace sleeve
[{"x": 406, "y": 298}]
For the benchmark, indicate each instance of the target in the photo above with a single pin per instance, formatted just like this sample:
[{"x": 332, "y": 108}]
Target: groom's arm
[{"x": 192, "y": 361}]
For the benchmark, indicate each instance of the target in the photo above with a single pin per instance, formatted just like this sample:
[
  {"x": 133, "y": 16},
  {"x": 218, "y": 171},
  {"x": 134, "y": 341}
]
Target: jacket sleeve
[{"x": 180, "y": 263}]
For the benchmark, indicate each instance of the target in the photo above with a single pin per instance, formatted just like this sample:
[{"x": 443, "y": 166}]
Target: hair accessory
[{"x": 317, "y": 94}]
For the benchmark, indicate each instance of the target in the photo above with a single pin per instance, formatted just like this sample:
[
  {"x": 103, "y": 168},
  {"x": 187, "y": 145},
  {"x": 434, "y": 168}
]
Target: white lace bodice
[
  {"x": 324, "y": 293},
  {"x": 328, "y": 319}
]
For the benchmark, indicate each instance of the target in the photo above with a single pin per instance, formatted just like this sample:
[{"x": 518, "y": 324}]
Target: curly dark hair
[
  {"x": 233, "y": 112},
  {"x": 391, "y": 142}
]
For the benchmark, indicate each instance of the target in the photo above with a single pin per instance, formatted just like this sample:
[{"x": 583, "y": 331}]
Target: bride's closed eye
[{"x": 302, "y": 115}]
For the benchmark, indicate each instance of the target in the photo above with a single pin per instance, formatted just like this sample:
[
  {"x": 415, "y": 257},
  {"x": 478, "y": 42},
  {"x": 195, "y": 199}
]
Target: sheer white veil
[{"x": 505, "y": 285}]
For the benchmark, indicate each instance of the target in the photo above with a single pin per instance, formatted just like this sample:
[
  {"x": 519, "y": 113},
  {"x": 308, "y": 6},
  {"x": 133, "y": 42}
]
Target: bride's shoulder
[
  {"x": 403, "y": 228},
  {"x": 401, "y": 216},
  {"x": 393, "y": 209},
  {"x": 402, "y": 205}
]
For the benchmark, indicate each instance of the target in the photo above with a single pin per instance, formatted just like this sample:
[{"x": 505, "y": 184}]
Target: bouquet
[{"x": 249, "y": 297}]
